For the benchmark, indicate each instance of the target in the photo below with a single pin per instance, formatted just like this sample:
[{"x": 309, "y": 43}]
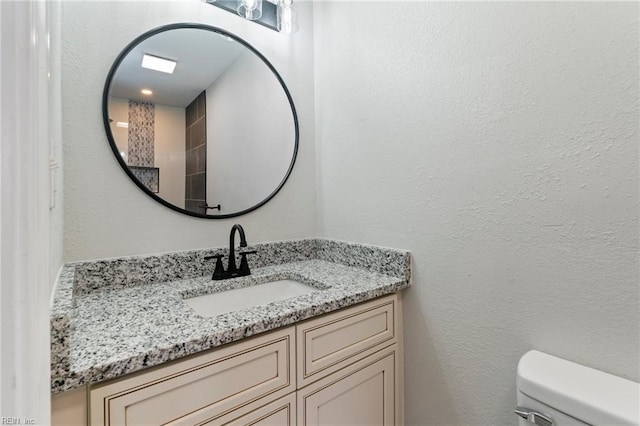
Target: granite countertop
[{"x": 117, "y": 316}]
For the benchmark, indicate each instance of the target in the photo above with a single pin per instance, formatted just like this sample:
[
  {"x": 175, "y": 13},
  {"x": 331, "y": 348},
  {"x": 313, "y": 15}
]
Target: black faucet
[
  {"x": 232, "y": 271},
  {"x": 231, "y": 268}
]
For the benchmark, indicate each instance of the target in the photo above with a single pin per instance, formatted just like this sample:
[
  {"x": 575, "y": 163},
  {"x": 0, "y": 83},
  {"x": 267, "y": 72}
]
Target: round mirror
[{"x": 200, "y": 120}]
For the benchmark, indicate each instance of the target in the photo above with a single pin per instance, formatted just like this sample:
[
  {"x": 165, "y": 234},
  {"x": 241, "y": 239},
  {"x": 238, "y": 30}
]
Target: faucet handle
[
  {"x": 215, "y": 256},
  {"x": 218, "y": 272},
  {"x": 244, "y": 265}
]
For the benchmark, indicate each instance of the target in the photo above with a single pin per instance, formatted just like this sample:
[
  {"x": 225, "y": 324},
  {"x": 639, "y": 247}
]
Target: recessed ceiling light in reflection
[
  {"x": 157, "y": 63},
  {"x": 146, "y": 92}
]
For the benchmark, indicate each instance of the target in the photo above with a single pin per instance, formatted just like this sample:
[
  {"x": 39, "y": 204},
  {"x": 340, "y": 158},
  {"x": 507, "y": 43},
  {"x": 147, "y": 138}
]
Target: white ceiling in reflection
[{"x": 201, "y": 57}]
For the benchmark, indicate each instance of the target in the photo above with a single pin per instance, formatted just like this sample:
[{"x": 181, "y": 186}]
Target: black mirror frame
[{"x": 116, "y": 152}]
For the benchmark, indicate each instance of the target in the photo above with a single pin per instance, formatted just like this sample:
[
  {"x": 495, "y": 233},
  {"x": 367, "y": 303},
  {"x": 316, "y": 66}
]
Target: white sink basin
[{"x": 223, "y": 302}]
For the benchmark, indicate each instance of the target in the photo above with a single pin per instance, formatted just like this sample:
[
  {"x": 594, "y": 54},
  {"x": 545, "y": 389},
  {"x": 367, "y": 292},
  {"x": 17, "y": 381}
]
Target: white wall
[
  {"x": 247, "y": 161},
  {"x": 105, "y": 214},
  {"x": 170, "y": 154},
  {"x": 30, "y": 240},
  {"x": 499, "y": 143},
  {"x": 119, "y": 112}
]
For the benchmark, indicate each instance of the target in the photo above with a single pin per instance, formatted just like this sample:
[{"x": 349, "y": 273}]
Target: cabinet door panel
[
  {"x": 360, "y": 394},
  {"x": 231, "y": 377},
  {"x": 278, "y": 413}
]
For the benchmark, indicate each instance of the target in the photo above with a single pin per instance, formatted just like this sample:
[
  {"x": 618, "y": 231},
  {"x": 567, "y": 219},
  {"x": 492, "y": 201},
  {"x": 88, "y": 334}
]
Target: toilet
[{"x": 554, "y": 391}]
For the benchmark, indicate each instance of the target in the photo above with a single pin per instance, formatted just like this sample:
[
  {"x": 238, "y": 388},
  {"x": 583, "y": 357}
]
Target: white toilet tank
[{"x": 572, "y": 394}]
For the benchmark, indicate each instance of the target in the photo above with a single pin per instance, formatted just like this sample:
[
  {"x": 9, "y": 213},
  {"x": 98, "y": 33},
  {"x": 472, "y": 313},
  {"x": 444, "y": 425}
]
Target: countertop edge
[{"x": 74, "y": 379}]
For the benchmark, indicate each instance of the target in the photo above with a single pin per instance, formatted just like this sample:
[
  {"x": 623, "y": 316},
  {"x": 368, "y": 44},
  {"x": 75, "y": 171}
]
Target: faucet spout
[{"x": 232, "y": 246}]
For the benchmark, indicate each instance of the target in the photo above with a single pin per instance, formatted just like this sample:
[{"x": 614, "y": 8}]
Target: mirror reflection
[{"x": 201, "y": 121}]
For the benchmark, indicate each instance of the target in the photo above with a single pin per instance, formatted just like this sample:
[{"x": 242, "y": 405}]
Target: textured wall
[
  {"x": 498, "y": 142},
  {"x": 109, "y": 216}
]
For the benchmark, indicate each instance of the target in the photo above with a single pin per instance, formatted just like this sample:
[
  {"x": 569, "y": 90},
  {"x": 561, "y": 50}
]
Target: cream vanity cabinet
[
  {"x": 340, "y": 368},
  {"x": 349, "y": 366}
]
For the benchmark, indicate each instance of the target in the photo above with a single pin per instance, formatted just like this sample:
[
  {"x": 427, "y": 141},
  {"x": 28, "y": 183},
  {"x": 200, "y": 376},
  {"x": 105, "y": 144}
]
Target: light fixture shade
[
  {"x": 250, "y": 9},
  {"x": 285, "y": 16}
]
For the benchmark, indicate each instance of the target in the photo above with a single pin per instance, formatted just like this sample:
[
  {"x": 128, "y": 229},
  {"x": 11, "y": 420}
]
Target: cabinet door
[
  {"x": 363, "y": 393},
  {"x": 278, "y": 413}
]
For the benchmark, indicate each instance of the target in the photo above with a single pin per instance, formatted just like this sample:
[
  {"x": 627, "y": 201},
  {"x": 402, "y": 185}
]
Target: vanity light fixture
[
  {"x": 285, "y": 16},
  {"x": 146, "y": 92},
  {"x": 122, "y": 124},
  {"x": 262, "y": 12},
  {"x": 157, "y": 63},
  {"x": 250, "y": 9}
]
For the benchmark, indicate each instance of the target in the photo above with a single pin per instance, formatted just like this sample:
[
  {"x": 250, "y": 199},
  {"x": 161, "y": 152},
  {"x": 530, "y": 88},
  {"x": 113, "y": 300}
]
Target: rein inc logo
[{"x": 17, "y": 421}]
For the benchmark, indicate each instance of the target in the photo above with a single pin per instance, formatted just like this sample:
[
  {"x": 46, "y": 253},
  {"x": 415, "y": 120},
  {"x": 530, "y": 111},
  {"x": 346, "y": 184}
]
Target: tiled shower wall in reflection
[
  {"x": 149, "y": 176},
  {"x": 196, "y": 146},
  {"x": 141, "y": 133}
]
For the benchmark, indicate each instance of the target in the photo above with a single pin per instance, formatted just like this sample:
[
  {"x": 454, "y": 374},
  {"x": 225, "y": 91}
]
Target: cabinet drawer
[
  {"x": 333, "y": 341},
  {"x": 201, "y": 387}
]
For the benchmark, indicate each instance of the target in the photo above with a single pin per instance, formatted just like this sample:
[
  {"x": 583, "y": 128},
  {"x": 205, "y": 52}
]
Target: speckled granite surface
[{"x": 116, "y": 316}]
